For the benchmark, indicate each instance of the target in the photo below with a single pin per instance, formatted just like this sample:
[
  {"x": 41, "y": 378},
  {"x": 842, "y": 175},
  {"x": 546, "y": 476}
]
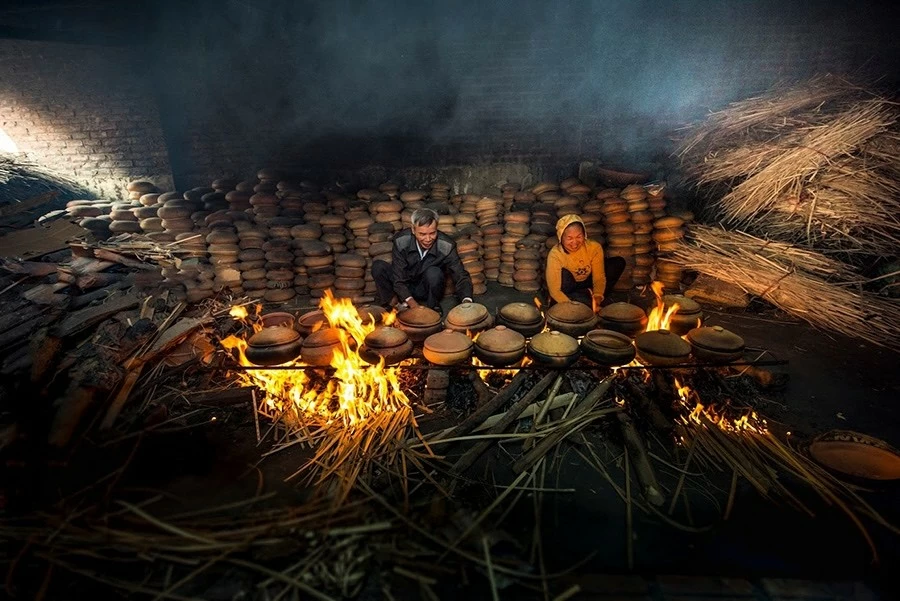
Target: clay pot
[
  {"x": 320, "y": 346},
  {"x": 625, "y": 318},
  {"x": 468, "y": 317},
  {"x": 311, "y": 321},
  {"x": 273, "y": 346},
  {"x": 279, "y": 318},
  {"x": 553, "y": 349},
  {"x": 857, "y": 455},
  {"x": 715, "y": 344},
  {"x": 388, "y": 343},
  {"x": 524, "y": 318},
  {"x": 500, "y": 346},
  {"x": 687, "y": 317},
  {"x": 371, "y": 313},
  {"x": 608, "y": 347},
  {"x": 662, "y": 347},
  {"x": 572, "y": 318},
  {"x": 419, "y": 323},
  {"x": 447, "y": 348}
]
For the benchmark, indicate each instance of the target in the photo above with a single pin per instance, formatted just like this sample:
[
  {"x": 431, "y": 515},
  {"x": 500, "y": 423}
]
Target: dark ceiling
[{"x": 87, "y": 21}]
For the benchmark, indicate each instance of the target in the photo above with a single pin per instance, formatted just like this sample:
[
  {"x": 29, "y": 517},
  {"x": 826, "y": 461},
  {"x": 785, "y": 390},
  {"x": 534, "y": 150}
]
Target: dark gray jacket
[{"x": 409, "y": 267}]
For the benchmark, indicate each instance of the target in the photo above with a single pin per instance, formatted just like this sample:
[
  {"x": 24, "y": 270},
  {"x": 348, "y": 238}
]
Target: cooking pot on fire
[
  {"x": 662, "y": 347},
  {"x": 388, "y": 343},
  {"x": 608, "y": 347},
  {"x": 273, "y": 346},
  {"x": 625, "y": 318},
  {"x": 447, "y": 348},
  {"x": 715, "y": 344},
  {"x": 500, "y": 346},
  {"x": 524, "y": 318},
  {"x": 572, "y": 318},
  {"x": 468, "y": 317},
  {"x": 553, "y": 349}
]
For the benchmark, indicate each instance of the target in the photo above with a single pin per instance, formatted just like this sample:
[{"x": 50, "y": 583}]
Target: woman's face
[{"x": 573, "y": 237}]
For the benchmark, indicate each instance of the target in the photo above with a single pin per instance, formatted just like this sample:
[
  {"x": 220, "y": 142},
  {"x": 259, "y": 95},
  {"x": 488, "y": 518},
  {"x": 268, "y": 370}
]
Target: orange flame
[
  {"x": 356, "y": 391},
  {"x": 660, "y": 317},
  {"x": 702, "y": 414},
  {"x": 537, "y": 303}
]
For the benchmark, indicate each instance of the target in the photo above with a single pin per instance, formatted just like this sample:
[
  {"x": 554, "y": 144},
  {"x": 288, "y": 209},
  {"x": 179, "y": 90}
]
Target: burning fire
[
  {"x": 700, "y": 413},
  {"x": 355, "y": 392},
  {"x": 660, "y": 317}
]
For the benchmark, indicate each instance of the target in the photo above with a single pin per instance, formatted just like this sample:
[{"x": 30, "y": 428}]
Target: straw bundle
[{"x": 796, "y": 281}]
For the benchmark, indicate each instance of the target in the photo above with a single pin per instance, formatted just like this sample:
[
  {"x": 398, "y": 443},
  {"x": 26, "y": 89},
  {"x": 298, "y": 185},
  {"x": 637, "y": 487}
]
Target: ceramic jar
[
  {"x": 553, "y": 349},
  {"x": 687, "y": 317},
  {"x": 607, "y": 347},
  {"x": 468, "y": 317},
  {"x": 715, "y": 344},
  {"x": 319, "y": 347},
  {"x": 524, "y": 318},
  {"x": 310, "y": 321},
  {"x": 273, "y": 346},
  {"x": 419, "y": 323},
  {"x": 387, "y": 343},
  {"x": 662, "y": 347},
  {"x": 572, "y": 318},
  {"x": 500, "y": 346},
  {"x": 278, "y": 318},
  {"x": 371, "y": 314},
  {"x": 447, "y": 348},
  {"x": 625, "y": 318}
]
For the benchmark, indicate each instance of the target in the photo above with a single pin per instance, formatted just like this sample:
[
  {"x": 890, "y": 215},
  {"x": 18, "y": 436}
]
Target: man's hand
[{"x": 413, "y": 303}]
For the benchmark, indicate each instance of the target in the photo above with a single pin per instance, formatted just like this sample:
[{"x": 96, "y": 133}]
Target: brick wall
[{"x": 83, "y": 111}]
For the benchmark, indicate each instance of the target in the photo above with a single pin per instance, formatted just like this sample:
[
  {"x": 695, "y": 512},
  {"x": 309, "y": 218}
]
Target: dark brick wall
[{"x": 83, "y": 111}]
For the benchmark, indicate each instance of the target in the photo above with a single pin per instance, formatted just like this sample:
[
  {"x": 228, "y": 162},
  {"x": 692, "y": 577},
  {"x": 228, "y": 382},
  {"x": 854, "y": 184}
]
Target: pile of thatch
[
  {"x": 816, "y": 164},
  {"x": 28, "y": 190}
]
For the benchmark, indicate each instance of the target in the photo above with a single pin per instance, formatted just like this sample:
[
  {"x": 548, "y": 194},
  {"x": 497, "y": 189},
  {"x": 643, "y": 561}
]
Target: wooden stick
[
  {"x": 490, "y": 568},
  {"x": 629, "y": 524},
  {"x": 529, "y": 443},
  {"x": 643, "y": 469},
  {"x": 472, "y": 455},
  {"x": 486, "y": 410}
]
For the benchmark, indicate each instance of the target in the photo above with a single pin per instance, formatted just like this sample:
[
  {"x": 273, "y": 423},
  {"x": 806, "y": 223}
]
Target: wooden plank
[
  {"x": 37, "y": 241},
  {"x": 85, "y": 318}
]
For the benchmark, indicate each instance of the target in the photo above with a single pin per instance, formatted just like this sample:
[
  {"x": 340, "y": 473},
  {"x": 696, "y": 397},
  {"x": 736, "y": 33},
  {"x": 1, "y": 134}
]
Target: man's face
[
  {"x": 573, "y": 237},
  {"x": 425, "y": 234}
]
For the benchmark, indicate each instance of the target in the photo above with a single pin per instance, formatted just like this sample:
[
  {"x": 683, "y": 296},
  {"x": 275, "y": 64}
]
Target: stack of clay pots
[
  {"x": 508, "y": 193},
  {"x": 223, "y": 246},
  {"x": 619, "y": 233},
  {"x": 656, "y": 199},
  {"x": 319, "y": 262},
  {"x": 238, "y": 201},
  {"x": 302, "y": 234},
  {"x": 93, "y": 215},
  {"x": 359, "y": 228},
  {"x": 252, "y": 265},
  {"x": 470, "y": 255},
  {"x": 388, "y": 211},
  {"x": 175, "y": 213},
  {"x": 265, "y": 207},
  {"x": 381, "y": 235},
  {"x": 349, "y": 271},
  {"x": 516, "y": 226},
  {"x": 334, "y": 232},
  {"x": 447, "y": 224},
  {"x": 224, "y": 184},
  {"x": 528, "y": 265},
  {"x": 440, "y": 192},
  {"x": 138, "y": 188},
  {"x": 123, "y": 219},
  {"x": 642, "y": 220},
  {"x": 592, "y": 216}
]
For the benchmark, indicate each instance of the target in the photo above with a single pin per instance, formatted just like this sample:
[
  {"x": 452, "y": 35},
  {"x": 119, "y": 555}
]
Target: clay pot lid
[
  {"x": 686, "y": 305},
  {"x": 856, "y": 454},
  {"x": 368, "y": 313},
  {"x": 625, "y": 312},
  {"x": 500, "y": 340},
  {"x": 662, "y": 343},
  {"x": 323, "y": 337},
  {"x": 467, "y": 315},
  {"x": 554, "y": 344},
  {"x": 273, "y": 336},
  {"x": 419, "y": 317},
  {"x": 448, "y": 341},
  {"x": 386, "y": 337},
  {"x": 716, "y": 338},
  {"x": 521, "y": 313},
  {"x": 570, "y": 312},
  {"x": 607, "y": 339}
]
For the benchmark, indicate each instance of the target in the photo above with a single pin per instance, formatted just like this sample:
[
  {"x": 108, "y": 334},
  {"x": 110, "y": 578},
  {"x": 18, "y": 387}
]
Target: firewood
[
  {"x": 110, "y": 255},
  {"x": 43, "y": 351},
  {"x": 98, "y": 280},
  {"x": 483, "y": 392},
  {"x": 83, "y": 300},
  {"x": 18, "y": 314},
  {"x": 646, "y": 477},
  {"x": 487, "y": 409},
  {"x": 23, "y": 331},
  {"x": 478, "y": 449},
  {"x": 77, "y": 401},
  {"x": 46, "y": 294},
  {"x": 649, "y": 409},
  {"x": 31, "y": 268},
  {"x": 80, "y": 320}
]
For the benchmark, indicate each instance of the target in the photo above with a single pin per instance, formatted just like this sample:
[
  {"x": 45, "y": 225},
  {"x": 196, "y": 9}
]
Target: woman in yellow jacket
[{"x": 576, "y": 268}]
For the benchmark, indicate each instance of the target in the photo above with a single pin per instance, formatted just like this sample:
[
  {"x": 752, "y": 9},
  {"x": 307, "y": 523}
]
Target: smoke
[{"x": 415, "y": 81}]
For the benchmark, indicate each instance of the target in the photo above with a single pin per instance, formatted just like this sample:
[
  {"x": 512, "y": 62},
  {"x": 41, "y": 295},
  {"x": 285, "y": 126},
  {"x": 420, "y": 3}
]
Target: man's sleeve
[
  {"x": 553, "y": 274},
  {"x": 461, "y": 279},
  {"x": 399, "y": 267},
  {"x": 598, "y": 272}
]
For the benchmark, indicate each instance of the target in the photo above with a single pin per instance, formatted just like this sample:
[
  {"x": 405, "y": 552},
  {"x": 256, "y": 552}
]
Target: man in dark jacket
[{"x": 421, "y": 259}]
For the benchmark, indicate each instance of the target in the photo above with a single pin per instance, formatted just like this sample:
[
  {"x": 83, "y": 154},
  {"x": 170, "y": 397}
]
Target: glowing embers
[{"x": 713, "y": 416}]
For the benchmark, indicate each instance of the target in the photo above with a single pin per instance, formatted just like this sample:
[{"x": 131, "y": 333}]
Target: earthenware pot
[
  {"x": 468, "y": 317},
  {"x": 447, "y": 348},
  {"x": 419, "y": 323},
  {"x": 524, "y": 318},
  {"x": 279, "y": 318},
  {"x": 388, "y": 343},
  {"x": 687, "y": 317},
  {"x": 572, "y": 318},
  {"x": 623, "y": 317},
  {"x": 310, "y": 321},
  {"x": 370, "y": 313},
  {"x": 553, "y": 349},
  {"x": 608, "y": 347},
  {"x": 500, "y": 346},
  {"x": 273, "y": 346},
  {"x": 662, "y": 347},
  {"x": 715, "y": 344},
  {"x": 857, "y": 455},
  {"x": 320, "y": 346}
]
